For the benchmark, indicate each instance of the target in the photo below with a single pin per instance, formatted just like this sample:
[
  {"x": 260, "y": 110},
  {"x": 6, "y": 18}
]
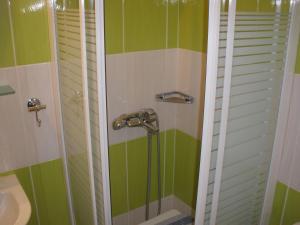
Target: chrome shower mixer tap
[
  {"x": 147, "y": 119},
  {"x": 143, "y": 118}
]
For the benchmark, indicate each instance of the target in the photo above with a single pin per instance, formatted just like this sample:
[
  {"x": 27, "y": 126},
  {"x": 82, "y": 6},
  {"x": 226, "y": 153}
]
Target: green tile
[
  {"x": 297, "y": 68},
  {"x": 118, "y": 179},
  {"x": 113, "y": 26},
  {"x": 50, "y": 192},
  {"x": 51, "y": 195},
  {"x": 186, "y": 168},
  {"x": 169, "y": 160},
  {"x": 278, "y": 203},
  {"x": 266, "y": 6},
  {"x": 137, "y": 171},
  {"x": 31, "y": 31},
  {"x": 6, "y": 54},
  {"x": 246, "y": 6},
  {"x": 173, "y": 11},
  {"x": 80, "y": 187},
  {"x": 285, "y": 6},
  {"x": 291, "y": 213},
  {"x": 193, "y": 25},
  {"x": 145, "y": 25}
]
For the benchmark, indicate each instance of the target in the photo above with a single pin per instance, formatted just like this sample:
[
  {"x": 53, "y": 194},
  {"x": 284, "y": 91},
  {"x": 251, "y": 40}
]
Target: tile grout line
[
  {"x": 178, "y": 23},
  {"x": 18, "y": 81},
  {"x": 165, "y": 133},
  {"x": 126, "y": 145},
  {"x": 12, "y": 32},
  {"x": 34, "y": 197},
  {"x": 175, "y": 130},
  {"x": 174, "y": 162}
]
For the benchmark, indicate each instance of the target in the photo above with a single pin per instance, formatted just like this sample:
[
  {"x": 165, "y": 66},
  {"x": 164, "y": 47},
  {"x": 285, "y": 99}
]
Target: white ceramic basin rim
[{"x": 15, "y": 207}]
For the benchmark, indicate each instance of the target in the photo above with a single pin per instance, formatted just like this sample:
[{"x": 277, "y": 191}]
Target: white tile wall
[
  {"x": 191, "y": 80},
  {"x": 22, "y": 142},
  {"x": 133, "y": 80},
  {"x": 289, "y": 165}
]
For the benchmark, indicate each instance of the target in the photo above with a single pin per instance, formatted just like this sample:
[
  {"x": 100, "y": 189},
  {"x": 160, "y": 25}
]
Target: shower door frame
[
  {"x": 101, "y": 83},
  {"x": 210, "y": 93},
  {"x": 209, "y": 108},
  {"x": 102, "y": 104}
]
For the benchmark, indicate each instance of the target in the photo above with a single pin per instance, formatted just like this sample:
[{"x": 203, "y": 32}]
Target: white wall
[
  {"x": 22, "y": 142},
  {"x": 133, "y": 80},
  {"x": 290, "y": 162}
]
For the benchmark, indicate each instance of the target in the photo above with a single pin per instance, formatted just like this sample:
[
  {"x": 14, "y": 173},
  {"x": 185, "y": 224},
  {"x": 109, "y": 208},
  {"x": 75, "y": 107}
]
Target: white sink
[{"x": 15, "y": 207}]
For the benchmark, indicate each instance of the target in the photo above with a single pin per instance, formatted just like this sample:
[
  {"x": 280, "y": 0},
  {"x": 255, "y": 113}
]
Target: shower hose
[{"x": 150, "y": 134}]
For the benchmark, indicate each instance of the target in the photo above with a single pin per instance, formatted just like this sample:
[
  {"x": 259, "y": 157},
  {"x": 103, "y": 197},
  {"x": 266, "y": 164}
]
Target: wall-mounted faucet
[
  {"x": 143, "y": 118},
  {"x": 148, "y": 119}
]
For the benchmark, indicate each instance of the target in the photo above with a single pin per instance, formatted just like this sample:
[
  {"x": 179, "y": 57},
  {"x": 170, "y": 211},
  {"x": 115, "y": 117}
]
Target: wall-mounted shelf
[
  {"x": 174, "y": 97},
  {"x": 6, "y": 90}
]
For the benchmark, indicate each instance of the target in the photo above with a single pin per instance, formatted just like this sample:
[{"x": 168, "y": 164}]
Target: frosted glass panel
[
  {"x": 94, "y": 106},
  {"x": 256, "y": 78},
  {"x": 216, "y": 130},
  {"x": 74, "y": 117}
]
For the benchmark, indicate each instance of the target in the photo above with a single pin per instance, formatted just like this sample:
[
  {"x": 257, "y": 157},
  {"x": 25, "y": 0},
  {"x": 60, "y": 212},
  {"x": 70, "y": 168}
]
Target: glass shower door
[
  {"x": 251, "y": 63},
  {"x": 78, "y": 77}
]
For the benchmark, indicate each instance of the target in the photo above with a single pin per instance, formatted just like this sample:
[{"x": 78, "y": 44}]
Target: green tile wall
[
  {"x": 150, "y": 25},
  {"x": 29, "y": 20},
  {"x": 6, "y": 53},
  {"x": 193, "y": 25},
  {"x": 145, "y": 25},
  {"x": 50, "y": 192},
  {"x": 181, "y": 180},
  {"x": 113, "y": 26},
  {"x": 137, "y": 171},
  {"x": 297, "y": 69},
  {"x": 31, "y": 31},
  {"x": 78, "y": 169},
  {"x": 286, "y": 206},
  {"x": 140, "y": 25},
  {"x": 187, "y": 163}
]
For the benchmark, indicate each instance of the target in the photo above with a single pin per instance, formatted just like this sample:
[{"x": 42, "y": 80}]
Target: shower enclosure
[
  {"x": 127, "y": 112},
  {"x": 136, "y": 80}
]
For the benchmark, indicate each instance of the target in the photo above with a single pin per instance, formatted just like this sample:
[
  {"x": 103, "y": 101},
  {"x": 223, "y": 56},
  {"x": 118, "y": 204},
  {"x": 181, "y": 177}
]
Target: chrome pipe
[{"x": 149, "y": 167}]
